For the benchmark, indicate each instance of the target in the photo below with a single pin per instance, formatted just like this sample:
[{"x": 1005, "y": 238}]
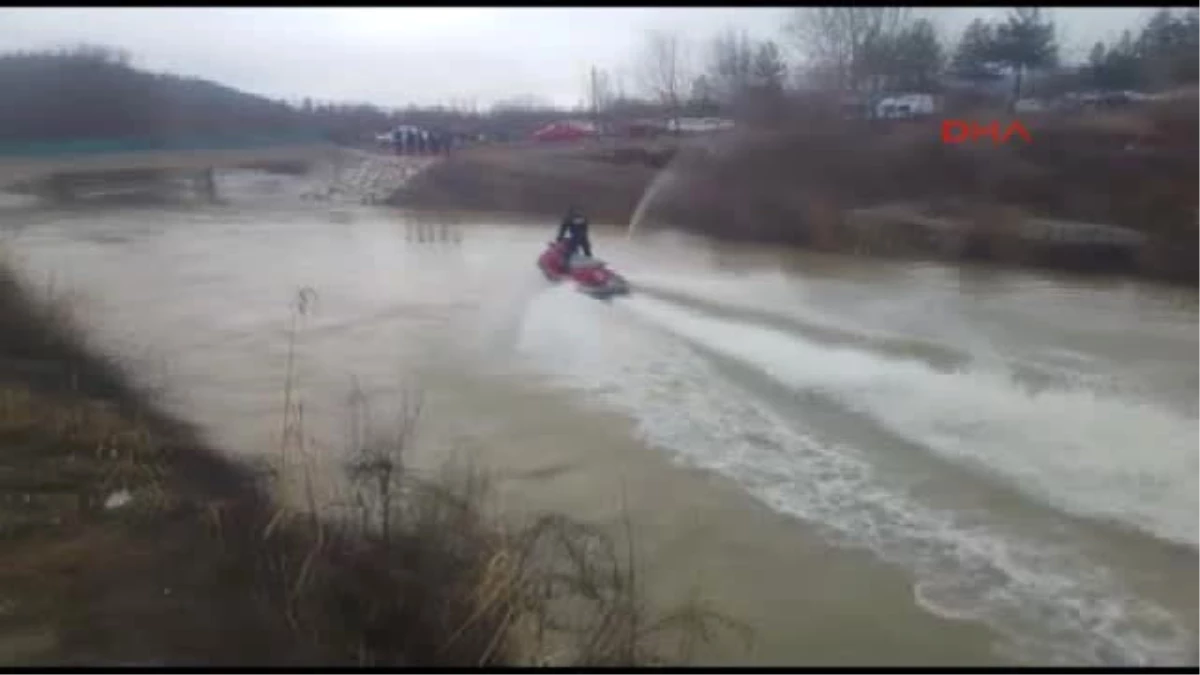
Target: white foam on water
[
  {"x": 766, "y": 292},
  {"x": 1051, "y": 603},
  {"x": 1087, "y": 453}
]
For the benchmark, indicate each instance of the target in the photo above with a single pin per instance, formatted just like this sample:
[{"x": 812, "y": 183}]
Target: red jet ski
[{"x": 591, "y": 276}]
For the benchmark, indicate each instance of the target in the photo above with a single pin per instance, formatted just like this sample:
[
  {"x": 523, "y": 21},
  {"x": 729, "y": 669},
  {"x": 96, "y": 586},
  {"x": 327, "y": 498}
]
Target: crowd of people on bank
[{"x": 415, "y": 141}]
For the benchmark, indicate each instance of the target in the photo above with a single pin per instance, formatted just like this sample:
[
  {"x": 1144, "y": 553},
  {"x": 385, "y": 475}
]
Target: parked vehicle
[
  {"x": 564, "y": 131},
  {"x": 907, "y": 106}
]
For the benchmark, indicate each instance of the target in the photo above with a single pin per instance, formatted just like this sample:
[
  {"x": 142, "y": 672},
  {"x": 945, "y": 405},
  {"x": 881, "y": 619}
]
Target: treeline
[
  {"x": 860, "y": 49},
  {"x": 1162, "y": 54},
  {"x": 88, "y": 92},
  {"x": 870, "y": 51},
  {"x": 93, "y": 92},
  {"x": 737, "y": 76},
  {"x": 863, "y": 49}
]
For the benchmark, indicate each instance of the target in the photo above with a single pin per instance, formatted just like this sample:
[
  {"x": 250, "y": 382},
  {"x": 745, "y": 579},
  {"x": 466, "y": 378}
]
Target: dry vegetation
[
  {"x": 536, "y": 180},
  {"x": 126, "y": 539},
  {"x": 807, "y": 186}
]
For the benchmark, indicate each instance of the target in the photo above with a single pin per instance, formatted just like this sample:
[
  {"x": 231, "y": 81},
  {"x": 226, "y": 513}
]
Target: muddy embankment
[
  {"x": 358, "y": 176},
  {"x": 1100, "y": 192},
  {"x": 604, "y": 179}
]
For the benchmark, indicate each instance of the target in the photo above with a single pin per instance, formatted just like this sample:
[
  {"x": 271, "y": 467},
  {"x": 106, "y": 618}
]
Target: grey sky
[{"x": 393, "y": 56}]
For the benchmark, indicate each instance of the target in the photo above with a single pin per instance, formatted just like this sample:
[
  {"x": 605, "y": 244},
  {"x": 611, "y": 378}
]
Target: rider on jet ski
[{"x": 574, "y": 229}]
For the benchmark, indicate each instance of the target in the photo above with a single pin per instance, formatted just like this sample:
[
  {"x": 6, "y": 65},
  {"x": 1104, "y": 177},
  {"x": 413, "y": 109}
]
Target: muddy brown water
[{"x": 870, "y": 462}]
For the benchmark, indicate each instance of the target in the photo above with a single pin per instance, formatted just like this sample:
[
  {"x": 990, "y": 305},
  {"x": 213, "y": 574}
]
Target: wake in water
[
  {"x": 1073, "y": 448},
  {"x": 1043, "y": 593},
  {"x": 503, "y": 317}
]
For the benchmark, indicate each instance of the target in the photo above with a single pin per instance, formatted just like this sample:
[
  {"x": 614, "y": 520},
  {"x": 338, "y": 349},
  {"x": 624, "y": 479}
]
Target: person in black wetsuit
[{"x": 574, "y": 228}]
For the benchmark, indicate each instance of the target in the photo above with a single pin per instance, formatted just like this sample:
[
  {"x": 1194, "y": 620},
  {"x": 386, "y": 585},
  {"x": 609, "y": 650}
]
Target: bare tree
[
  {"x": 912, "y": 59},
  {"x": 605, "y": 93},
  {"x": 1024, "y": 42},
  {"x": 975, "y": 53},
  {"x": 703, "y": 98},
  {"x": 618, "y": 84},
  {"x": 664, "y": 72},
  {"x": 769, "y": 75},
  {"x": 843, "y": 41},
  {"x": 731, "y": 62},
  {"x": 600, "y": 94}
]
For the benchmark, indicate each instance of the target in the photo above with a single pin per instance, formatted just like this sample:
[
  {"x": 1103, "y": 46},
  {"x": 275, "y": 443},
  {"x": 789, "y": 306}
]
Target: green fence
[{"x": 70, "y": 148}]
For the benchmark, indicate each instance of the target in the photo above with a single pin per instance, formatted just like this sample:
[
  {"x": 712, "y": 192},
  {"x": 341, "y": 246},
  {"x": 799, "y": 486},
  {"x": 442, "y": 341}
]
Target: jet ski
[{"x": 590, "y": 275}]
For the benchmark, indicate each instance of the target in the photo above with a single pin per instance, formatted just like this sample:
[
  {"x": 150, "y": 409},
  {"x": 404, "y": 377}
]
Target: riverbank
[
  {"x": 129, "y": 539},
  {"x": 1106, "y": 194},
  {"x": 538, "y": 179}
]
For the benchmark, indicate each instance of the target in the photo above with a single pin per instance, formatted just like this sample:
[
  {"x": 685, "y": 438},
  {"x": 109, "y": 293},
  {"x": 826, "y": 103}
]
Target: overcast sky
[{"x": 394, "y": 56}]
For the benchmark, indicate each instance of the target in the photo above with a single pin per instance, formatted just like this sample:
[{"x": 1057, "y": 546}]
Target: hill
[{"x": 93, "y": 92}]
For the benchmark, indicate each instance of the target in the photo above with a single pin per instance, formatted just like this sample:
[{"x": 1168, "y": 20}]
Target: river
[{"x": 870, "y": 462}]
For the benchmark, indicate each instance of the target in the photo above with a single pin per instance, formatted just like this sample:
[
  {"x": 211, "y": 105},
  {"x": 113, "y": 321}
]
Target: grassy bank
[
  {"x": 1043, "y": 204},
  {"x": 893, "y": 189},
  {"x": 127, "y": 539}
]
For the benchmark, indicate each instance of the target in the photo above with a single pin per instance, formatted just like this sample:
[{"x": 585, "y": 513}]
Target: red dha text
[{"x": 961, "y": 131}]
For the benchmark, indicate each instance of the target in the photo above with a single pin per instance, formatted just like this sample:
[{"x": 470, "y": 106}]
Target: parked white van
[{"x": 906, "y": 106}]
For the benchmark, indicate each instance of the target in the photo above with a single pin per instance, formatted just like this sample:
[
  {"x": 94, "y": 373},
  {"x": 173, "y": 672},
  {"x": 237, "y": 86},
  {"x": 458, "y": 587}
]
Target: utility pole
[{"x": 595, "y": 99}]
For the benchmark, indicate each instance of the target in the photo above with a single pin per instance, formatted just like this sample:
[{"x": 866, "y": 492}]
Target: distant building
[{"x": 699, "y": 125}]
